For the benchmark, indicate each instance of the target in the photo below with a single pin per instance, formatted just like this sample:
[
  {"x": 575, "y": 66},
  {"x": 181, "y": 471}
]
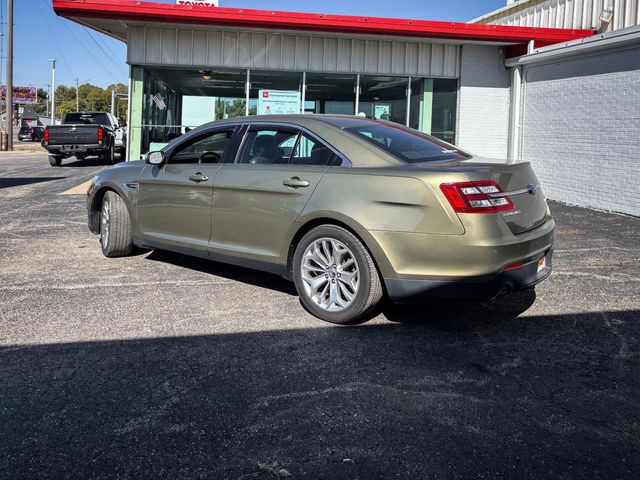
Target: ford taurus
[{"x": 352, "y": 210}]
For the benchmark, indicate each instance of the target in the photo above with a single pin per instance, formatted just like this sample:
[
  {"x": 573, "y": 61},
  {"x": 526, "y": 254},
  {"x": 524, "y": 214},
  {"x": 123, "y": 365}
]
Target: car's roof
[{"x": 340, "y": 121}]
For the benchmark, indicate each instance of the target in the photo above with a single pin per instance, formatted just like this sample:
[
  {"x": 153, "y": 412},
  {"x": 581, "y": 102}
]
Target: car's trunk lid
[{"x": 516, "y": 178}]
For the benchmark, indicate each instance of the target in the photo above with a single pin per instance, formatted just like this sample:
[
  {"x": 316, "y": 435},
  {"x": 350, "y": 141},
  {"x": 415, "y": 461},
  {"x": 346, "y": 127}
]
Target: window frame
[
  {"x": 339, "y": 160},
  {"x": 190, "y": 139}
]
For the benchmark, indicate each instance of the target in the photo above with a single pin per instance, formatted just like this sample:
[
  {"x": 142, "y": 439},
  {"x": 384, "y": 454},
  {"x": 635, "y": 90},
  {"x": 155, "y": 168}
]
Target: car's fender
[{"x": 309, "y": 220}]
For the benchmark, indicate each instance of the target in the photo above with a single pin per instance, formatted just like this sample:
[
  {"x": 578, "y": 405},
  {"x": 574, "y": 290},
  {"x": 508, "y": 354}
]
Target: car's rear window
[
  {"x": 87, "y": 118},
  {"x": 407, "y": 145}
]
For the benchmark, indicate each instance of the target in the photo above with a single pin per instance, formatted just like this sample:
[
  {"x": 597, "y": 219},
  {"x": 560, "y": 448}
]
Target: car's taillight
[
  {"x": 46, "y": 134},
  {"x": 476, "y": 197},
  {"x": 100, "y": 134}
]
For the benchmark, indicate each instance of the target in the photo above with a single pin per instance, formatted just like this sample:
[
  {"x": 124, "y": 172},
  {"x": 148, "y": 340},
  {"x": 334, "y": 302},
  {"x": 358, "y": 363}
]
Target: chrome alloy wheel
[
  {"x": 104, "y": 225},
  {"x": 330, "y": 274}
]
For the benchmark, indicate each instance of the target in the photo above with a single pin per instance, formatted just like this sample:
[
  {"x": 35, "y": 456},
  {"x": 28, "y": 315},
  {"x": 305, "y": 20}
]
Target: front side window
[
  {"x": 311, "y": 152},
  {"x": 407, "y": 145},
  {"x": 268, "y": 146},
  {"x": 207, "y": 148}
]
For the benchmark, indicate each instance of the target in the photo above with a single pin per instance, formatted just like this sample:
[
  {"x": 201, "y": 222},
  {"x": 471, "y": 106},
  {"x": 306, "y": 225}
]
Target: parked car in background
[
  {"x": 82, "y": 134},
  {"x": 350, "y": 209},
  {"x": 33, "y": 134}
]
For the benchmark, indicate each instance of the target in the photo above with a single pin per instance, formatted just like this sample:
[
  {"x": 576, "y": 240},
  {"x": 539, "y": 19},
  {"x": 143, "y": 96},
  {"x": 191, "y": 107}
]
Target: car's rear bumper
[
  {"x": 73, "y": 149},
  {"x": 471, "y": 288}
]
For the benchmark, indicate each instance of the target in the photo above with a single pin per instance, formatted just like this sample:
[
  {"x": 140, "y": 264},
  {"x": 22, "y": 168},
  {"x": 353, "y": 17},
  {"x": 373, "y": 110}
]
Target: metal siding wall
[
  {"x": 277, "y": 51},
  {"x": 569, "y": 14}
]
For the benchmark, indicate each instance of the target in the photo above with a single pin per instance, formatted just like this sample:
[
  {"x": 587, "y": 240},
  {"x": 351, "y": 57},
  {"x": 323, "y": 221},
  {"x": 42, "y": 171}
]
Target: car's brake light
[
  {"x": 100, "y": 133},
  {"x": 46, "y": 134},
  {"x": 476, "y": 197}
]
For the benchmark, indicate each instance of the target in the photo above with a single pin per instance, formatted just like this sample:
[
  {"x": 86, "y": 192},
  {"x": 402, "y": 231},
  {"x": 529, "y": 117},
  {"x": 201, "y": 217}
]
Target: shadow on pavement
[
  {"x": 230, "y": 272},
  {"x": 453, "y": 393},
  {"x": 20, "y": 181}
]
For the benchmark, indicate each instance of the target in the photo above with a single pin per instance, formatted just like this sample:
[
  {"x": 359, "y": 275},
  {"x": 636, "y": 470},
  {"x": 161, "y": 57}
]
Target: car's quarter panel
[
  {"x": 174, "y": 210},
  {"x": 384, "y": 199},
  {"x": 253, "y": 210}
]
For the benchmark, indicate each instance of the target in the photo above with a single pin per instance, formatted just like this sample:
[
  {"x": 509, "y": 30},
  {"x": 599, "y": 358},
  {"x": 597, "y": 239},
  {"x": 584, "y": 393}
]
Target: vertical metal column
[
  {"x": 357, "y": 92},
  {"x": 304, "y": 91},
  {"x": 408, "y": 101},
  {"x": 53, "y": 90},
  {"x": 246, "y": 93}
]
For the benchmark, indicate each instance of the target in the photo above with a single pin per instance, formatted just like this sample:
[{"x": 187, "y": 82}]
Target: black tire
[
  {"x": 55, "y": 160},
  {"x": 116, "y": 238},
  {"x": 109, "y": 157},
  {"x": 369, "y": 292},
  {"x": 80, "y": 156}
]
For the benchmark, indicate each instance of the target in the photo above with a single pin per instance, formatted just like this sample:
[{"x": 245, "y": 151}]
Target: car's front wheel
[
  {"x": 115, "y": 226},
  {"x": 335, "y": 276}
]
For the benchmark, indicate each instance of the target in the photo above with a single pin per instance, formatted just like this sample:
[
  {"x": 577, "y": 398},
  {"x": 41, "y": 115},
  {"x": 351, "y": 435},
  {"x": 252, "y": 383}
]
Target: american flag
[{"x": 159, "y": 101}]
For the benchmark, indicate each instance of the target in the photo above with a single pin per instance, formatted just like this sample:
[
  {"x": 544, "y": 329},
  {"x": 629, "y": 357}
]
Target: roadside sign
[
  {"x": 21, "y": 94},
  {"x": 274, "y": 102}
]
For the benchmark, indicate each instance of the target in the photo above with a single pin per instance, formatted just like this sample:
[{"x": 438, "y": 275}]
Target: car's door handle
[
  {"x": 295, "y": 182},
  {"x": 198, "y": 177}
]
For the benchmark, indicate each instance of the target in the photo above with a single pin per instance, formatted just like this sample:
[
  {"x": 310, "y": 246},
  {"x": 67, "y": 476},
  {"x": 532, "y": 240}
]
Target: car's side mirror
[{"x": 155, "y": 158}]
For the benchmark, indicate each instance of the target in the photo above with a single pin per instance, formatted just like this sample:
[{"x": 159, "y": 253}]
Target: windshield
[
  {"x": 88, "y": 118},
  {"x": 405, "y": 144}
]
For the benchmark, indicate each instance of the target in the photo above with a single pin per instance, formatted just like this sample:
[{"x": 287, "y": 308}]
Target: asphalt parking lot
[{"x": 163, "y": 366}]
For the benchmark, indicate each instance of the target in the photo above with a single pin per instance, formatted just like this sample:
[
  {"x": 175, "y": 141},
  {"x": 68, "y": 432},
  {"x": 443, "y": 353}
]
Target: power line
[
  {"x": 117, "y": 61},
  {"x": 89, "y": 52},
  {"x": 64, "y": 59},
  {"x": 102, "y": 49}
]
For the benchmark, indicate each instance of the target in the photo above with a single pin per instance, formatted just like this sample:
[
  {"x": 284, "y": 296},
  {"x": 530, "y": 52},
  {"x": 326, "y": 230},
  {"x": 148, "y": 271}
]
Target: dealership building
[{"x": 557, "y": 87}]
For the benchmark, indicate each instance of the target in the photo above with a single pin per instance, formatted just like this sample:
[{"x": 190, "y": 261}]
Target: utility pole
[
  {"x": 53, "y": 90},
  {"x": 113, "y": 101},
  {"x": 77, "y": 97},
  {"x": 1, "y": 41},
  {"x": 9, "y": 95}
]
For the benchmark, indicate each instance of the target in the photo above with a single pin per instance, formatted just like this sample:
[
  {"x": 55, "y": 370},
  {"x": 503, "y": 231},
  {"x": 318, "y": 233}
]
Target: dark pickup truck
[{"x": 82, "y": 134}]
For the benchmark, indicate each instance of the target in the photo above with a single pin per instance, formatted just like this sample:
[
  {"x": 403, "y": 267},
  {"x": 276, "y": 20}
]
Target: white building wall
[
  {"x": 483, "y": 101},
  {"x": 581, "y": 128},
  {"x": 578, "y": 14},
  {"x": 312, "y": 52}
]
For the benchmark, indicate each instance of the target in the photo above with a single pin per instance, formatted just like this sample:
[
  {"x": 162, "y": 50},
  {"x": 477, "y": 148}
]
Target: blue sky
[{"x": 99, "y": 59}]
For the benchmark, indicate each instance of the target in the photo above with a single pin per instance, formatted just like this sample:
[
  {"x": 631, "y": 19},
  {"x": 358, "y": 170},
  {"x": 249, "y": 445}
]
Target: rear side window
[
  {"x": 407, "y": 145},
  {"x": 311, "y": 152},
  {"x": 268, "y": 146}
]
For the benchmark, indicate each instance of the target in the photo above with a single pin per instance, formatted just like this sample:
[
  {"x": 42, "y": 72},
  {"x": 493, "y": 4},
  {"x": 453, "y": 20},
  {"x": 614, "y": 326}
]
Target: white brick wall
[
  {"x": 483, "y": 102},
  {"x": 581, "y": 129}
]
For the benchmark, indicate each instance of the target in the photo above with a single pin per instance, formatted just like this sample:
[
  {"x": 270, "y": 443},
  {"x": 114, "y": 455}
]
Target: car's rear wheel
[
  {"x": 55, "y": 160},
  {"x": 116, "y": 238},
  {"x": 335, "y": 276}
]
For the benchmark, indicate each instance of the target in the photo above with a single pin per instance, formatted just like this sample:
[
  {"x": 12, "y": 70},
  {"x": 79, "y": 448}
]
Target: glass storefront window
[
  {"x": 275, "y": 92},
  {"x": 443, "y": 116},
  {"x": 177, "y": 100},
  {"x": 327, "y": 93},
  {"x": 384, "y": 98},
  {"x": 432, "y": 107}
]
